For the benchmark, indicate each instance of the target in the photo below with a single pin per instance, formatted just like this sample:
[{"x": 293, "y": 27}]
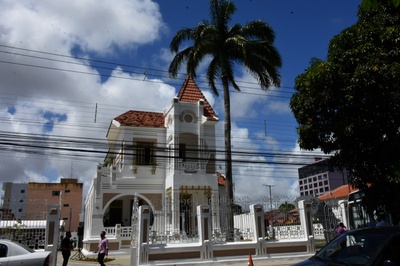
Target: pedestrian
[
  {"x": 341, "y": 229},
  {"x": 102, "y": 248},
  {"x": 66, "y": 247}
]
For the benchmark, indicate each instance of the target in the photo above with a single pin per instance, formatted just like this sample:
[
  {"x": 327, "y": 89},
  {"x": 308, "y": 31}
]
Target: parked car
[
  {"x": 366, "y": 246},
  {"x": 13, "y": 253}
]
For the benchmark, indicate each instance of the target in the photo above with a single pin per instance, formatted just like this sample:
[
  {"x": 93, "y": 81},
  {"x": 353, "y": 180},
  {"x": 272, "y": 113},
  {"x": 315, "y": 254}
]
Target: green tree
[
  {"x": 286, "y": 207},
  {"x": 369, "y": 4},
  {"x": 349, "y": 105},
  {"x": 250, "y": 46}
]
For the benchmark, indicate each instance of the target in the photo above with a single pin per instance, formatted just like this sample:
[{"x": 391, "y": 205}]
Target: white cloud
[{"x": 44, "y": 76}]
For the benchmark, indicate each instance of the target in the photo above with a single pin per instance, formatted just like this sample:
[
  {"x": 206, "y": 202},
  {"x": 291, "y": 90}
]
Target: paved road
[{"x": 124, "y": 260}]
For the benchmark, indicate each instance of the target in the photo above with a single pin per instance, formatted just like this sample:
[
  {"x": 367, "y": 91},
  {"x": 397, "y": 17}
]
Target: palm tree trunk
[{"x": 228, "y": 160}]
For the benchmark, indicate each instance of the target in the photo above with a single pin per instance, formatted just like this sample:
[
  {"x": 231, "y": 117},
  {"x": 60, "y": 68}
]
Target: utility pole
[
  {"x": 270, "y": 195},
  {"x": 271, "y": 213}
]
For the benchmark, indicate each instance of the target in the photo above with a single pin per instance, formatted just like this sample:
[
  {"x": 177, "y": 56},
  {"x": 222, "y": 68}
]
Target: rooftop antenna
[
  {"x": 265, "y": 127},
  {"x": 95, "y": 114},
  {"x": 71, "y": 169}
]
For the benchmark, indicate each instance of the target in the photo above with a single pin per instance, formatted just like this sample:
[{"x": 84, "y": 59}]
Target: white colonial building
[{"x": 164, "y": 160}]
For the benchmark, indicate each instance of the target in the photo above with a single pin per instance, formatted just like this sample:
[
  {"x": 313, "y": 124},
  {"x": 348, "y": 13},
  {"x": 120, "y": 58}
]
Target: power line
[{"x": 144, "y": 71}]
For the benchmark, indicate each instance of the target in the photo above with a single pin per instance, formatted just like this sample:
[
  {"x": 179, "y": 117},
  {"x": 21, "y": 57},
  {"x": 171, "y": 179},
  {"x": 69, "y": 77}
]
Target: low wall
[{"x": 195, "y": 251}]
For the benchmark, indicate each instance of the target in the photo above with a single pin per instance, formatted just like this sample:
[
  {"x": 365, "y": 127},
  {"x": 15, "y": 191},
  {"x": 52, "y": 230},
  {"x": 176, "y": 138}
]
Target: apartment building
[
  {"x": 320, "y": 177},
  {"x": 29, "y": 201}
]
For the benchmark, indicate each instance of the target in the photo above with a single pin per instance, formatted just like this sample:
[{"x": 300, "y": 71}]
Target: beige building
[{"x": 29, "y": 201}]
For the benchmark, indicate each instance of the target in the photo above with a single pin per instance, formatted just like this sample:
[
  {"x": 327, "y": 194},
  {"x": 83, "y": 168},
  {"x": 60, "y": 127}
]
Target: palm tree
[{"x": 250, "y": 46}]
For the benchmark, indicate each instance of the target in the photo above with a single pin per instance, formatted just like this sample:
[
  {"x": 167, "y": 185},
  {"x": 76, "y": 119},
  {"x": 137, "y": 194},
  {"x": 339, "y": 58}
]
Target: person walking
[
  {"x": 341, "y": 229},
  {"x": 66, "y": 247},
  {"x": 102, "y": 248}
]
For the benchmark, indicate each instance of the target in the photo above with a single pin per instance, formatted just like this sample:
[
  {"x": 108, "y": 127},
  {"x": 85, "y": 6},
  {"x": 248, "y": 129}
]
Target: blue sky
[{"x": 69, "y": 67}]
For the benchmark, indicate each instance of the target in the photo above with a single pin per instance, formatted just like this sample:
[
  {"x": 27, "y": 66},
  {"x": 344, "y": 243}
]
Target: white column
[
  {"x": 205, "y": 234},
  {"x": 52, "y": 231},
  {"x": 143, "y": 236},
  {"x": 307, "y": 223},
  {"x": 343, "y": 205}
]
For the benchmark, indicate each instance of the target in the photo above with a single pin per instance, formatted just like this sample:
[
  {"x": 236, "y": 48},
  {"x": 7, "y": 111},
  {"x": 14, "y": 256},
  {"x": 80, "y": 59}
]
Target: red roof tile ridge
[
  {"x": 338, "y": 192},
  {"x": 190, "y": 92},
  {"x": 141, "y": 119}
]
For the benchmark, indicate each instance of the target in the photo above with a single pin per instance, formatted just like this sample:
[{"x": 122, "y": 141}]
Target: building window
[
  {"x": 326, "y": 182},
  {"x": 67, "y": 191},
  {"x": 305, "y": 181},
  {"x": 188, "y": 118},
  {"x": 66, "y": 205},
  {"x": 301, "y": 182},
  {"x": 320, "y": 183},
  {"x": 22, "y": 191},
  {"x": 19, "y": 210},
  {"x": 55, "y": 193},
  {"x": 145, "y": 153},
  {"x": 65, "y": 219}
]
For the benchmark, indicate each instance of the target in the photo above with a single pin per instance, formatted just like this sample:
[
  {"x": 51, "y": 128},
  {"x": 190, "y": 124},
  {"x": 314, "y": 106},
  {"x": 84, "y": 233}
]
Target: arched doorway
[{"x": 119, "y": 211}]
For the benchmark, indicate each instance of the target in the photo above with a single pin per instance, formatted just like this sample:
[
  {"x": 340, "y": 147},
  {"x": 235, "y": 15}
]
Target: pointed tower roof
[{"x": 191, "y": 93}]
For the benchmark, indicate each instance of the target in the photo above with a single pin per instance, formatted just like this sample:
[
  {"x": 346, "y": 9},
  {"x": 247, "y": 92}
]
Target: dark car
[{"x": 366, "y": 246}]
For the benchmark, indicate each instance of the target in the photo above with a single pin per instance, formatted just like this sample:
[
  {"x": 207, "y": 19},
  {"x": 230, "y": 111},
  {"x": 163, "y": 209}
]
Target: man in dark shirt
[{"x": 66, "y": 247}]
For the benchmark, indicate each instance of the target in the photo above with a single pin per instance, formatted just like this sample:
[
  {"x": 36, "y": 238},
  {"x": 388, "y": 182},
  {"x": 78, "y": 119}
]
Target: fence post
[
  {"x": 205, "y": 234},
  {"x": 344, "y": 212},
  {"x": 118, "y": 233},
  {"x": 52, "y": 231},
  {"x": 306, "y": 221},
  {"x": 143, "y": 235},
  {"x": 257, "y": 215}
]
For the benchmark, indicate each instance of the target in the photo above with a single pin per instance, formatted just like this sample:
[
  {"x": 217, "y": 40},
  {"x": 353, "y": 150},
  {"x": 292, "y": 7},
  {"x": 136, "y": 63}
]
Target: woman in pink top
[
  {"x": 341, "y": 229},
  {"x": 102, "y": 248}
]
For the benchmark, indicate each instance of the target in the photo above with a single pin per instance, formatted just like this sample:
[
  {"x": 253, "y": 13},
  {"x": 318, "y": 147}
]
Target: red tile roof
[
  {"x": 340, "y": 192},
  {"x": 191, "y": 93},
  {"x": 141, "y": 119}
]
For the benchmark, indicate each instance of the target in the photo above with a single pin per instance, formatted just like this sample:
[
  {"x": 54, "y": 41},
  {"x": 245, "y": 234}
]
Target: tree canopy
[
  {"x": 349, "y": 104},
  {"x": 369, "y": 4}
]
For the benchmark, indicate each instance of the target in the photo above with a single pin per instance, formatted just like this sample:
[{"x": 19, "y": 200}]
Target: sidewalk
[{"x": 122, "y": 258}]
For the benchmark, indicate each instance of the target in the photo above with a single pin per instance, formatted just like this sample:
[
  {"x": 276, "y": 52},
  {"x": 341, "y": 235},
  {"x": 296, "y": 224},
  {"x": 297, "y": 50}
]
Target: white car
[{"x": 12, "y": 254}]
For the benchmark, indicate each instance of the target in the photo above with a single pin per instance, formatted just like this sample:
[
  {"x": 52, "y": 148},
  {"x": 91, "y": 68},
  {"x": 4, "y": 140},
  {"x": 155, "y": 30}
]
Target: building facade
[
  {"x": 320, "y": 177},
  {"x": 29, "y": 201},
  {"x": 164, "y": 160}
]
